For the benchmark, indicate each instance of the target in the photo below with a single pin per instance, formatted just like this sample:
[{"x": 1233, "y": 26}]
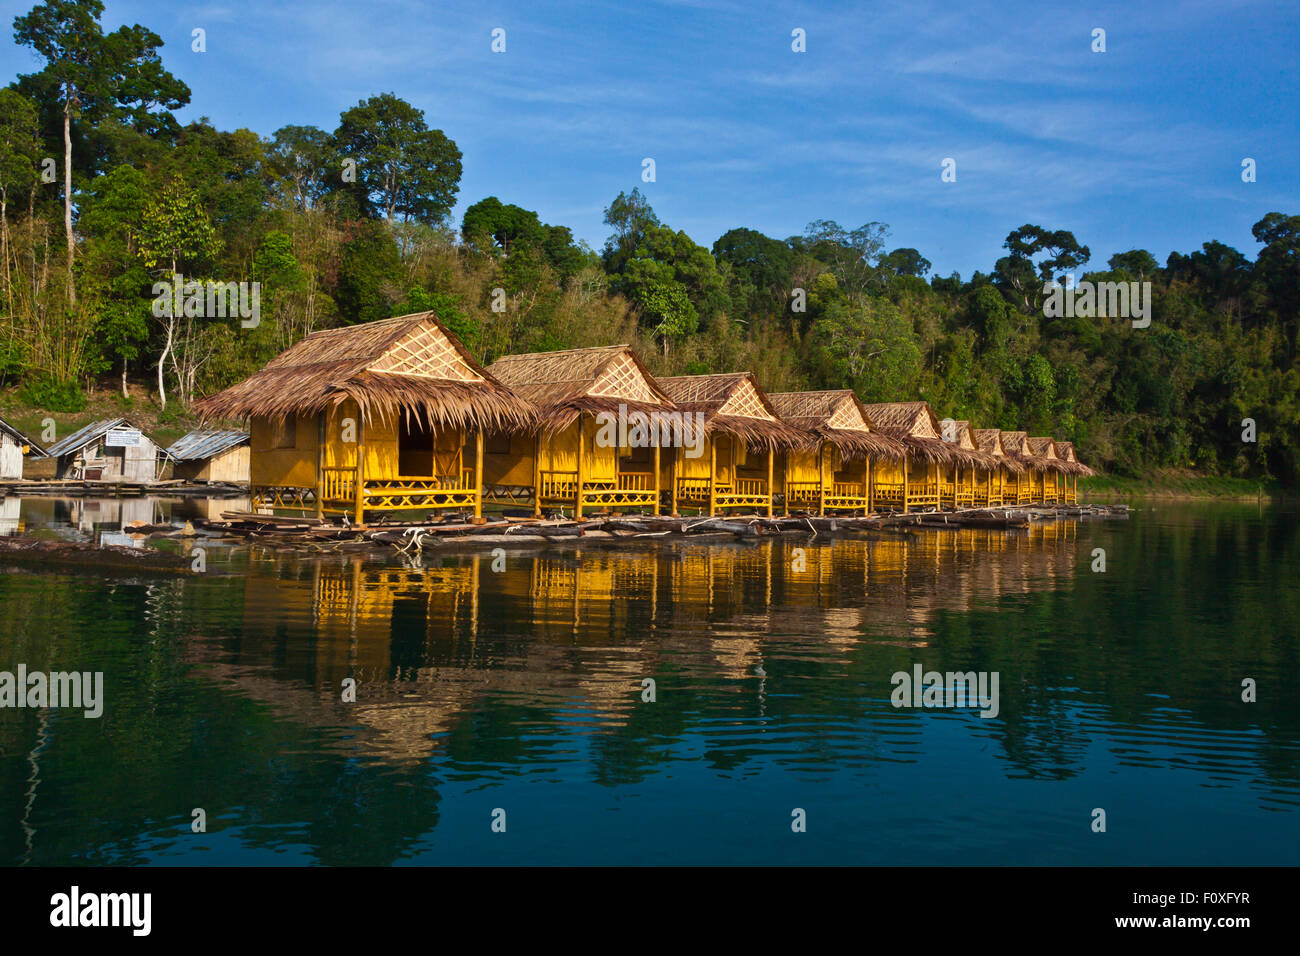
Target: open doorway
[{"x": 415, "y": 440}]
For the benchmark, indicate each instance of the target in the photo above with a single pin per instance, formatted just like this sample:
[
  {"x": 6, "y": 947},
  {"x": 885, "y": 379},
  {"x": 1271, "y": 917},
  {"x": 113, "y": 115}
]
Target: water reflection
[
  {"x": 107, "y": 521},
  {"x": 479, "y": 682}
]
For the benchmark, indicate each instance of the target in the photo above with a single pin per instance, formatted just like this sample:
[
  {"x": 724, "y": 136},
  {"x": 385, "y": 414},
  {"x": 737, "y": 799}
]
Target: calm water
[{"x": 521, "y": 690}]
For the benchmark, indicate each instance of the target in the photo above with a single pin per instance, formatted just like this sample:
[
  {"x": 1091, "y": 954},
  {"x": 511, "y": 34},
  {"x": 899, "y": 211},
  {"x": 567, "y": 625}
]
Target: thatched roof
[
  {"x": 1065, "y": 451},
  {"x": 410, "y": 364},
  {"x": 963, "y": 436},
  {"x": 1044, "y": 449},
  {"x": 990, "y": 442},
  {"x": 564, "y": 385},
  {"x": 839, "y": 417},
  {"x": 916, "y": 426},
  {"x": 1016, "y": 446},
  {"x": 733, "y": 403}
]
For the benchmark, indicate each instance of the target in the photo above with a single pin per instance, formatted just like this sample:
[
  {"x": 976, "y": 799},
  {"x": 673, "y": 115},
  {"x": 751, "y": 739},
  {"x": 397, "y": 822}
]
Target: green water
[{"x": 521, "y": 690}]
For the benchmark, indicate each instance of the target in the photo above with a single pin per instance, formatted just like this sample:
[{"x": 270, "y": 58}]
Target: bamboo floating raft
[{"x": 455, "y": 531}]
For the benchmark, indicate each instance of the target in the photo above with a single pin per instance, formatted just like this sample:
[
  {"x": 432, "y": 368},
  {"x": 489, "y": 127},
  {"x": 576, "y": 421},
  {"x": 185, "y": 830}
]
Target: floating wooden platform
[
  {"x": 77, "y": 488},
  {"x": 455, "y": 530}
]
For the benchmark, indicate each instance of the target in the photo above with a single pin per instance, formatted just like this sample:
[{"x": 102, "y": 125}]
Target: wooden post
[
  {"x": 673, "y": 477},
  {"x": 771, "y": 453},
  {"x": 537, "y": 474},
  {"x": 577, "y": 494},
  {"x": 905, "y": 488},
  {"x": 821, "y": 479},
  {"x": 713, "y": 470},
  {"x": 870, "y": 483},
  {"x": 785, "y": 498},
  {"x": 656, "y": 480},
  {"x": 359, "y": 484},
  {"x": 320, "y": 465},
  {"x": 478, "y": 476}
]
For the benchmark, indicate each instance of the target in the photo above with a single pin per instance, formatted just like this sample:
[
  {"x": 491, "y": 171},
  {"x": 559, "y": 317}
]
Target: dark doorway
[{"x": 414, "y": 447}]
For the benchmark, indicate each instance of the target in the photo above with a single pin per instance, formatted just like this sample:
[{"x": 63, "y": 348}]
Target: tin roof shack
[
  {"x": 209, "y": 455},
  {"x": 14, "y": 445},
  {"x": 111, "y": 450}
]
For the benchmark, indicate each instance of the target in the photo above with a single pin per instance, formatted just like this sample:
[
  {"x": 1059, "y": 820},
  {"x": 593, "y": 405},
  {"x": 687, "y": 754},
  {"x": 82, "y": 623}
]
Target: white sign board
[{"x": 122, "y": 437}]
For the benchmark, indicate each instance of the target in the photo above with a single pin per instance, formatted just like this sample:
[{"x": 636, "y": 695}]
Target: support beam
[
  {"x": 537, "y": 474},
  {"x": 656, "y": 479},
  {"x": 673, "y": 476},
  {"x": 478, "y": 475},
  {"x": 359, "y": 483},
  {"x": 906, "y": 489},
  {"x": 771, "y": 453},
  {"x": 821, "y": 480},
  {"x": 320, "y": 465},
  {"x": 577, "y": 491},
  {"x": 713, "y": 472}
]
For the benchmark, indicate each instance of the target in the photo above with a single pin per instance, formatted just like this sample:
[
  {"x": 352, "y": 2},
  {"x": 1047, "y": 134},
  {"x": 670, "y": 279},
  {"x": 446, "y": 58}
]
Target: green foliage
[{"x": 52, "y": 395}]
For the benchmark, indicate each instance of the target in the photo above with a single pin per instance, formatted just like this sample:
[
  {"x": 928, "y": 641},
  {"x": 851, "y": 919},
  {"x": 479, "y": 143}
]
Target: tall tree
[
  {"x": 402, "y": 167},
  {"x": 118, "y": 76}
]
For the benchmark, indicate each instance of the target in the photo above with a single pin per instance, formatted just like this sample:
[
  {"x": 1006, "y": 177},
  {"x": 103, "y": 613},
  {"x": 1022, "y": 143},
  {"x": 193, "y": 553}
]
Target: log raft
[{"x": 458, "y": 531}]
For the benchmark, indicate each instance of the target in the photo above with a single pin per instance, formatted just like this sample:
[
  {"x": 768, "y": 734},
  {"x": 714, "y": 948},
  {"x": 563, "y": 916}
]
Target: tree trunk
[
  {"x": 67, "y": 195},
  {"x": 125, "y": 393}
]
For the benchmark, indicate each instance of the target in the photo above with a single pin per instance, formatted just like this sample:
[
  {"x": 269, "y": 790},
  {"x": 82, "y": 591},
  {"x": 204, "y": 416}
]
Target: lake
[{"x": 510, "y": 690}]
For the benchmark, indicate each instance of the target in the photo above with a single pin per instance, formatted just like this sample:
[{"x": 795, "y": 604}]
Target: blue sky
[{"x": 1140, "y": 146}]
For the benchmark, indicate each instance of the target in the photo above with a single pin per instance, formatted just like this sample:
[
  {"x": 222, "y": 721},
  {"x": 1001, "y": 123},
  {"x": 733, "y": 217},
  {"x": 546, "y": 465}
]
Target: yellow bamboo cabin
[
  {"x": 834, "y": 472},
  {"x": 385, "y": 416},
  {"x": 742, "y": 436},
  {"x": 598, "y": 444},
  {"x": 1020, "y": 486},
  {"x": 994, "y": 493},
  {"x": 1047, "y": 490},
  {"x": 914, "y": 481}
]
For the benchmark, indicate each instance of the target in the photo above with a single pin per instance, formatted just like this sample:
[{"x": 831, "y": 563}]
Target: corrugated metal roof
[
  {"x": 82, "y": 437},
  {"x": 37, "y": 450},
  {"x": 205, "y": 443}
]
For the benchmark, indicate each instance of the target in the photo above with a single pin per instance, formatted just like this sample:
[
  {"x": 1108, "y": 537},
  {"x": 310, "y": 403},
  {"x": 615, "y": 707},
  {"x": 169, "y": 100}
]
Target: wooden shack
[
  {"x": 743, "y": 434},
  {"x": 211, "y": 455},
  {"x": 14, "y": 447},
  {"x": 383, "y": 416},
  {"x": 833, "y": 473},
  {"x": 914, "y": 481},
  {"x": 602, "y": 421},
  {"x": 109, "y": 450}
]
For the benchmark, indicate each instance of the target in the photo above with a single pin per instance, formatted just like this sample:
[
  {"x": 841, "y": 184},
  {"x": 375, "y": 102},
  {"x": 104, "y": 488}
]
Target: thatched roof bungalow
[
  {"x": 834, "y": 472},
  {"x": 1065, "y": 450},
  {"x": 601, "y": 421},
  {"x": 379, "y": 416},
  {"x": 743, "y": 434},
  {"x": 994, "y": 492},
  {"x": 960, "y": 491},
  {"x": 1043, "y": 451},
  {"x": 914, "y": 482}
]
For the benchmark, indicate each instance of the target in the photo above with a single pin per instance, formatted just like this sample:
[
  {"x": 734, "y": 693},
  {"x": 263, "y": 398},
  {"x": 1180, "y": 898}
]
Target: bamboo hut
[
  {"x": 600, "y": 422},
  {"x": 914, "y": 481},
  {"x": 834, "y": 472},
  {"x": 384, "y": 416},
  {"x": 994, "y": 493},
  {"x": 1020, "y": 485},
  {"x": 742, "y": 434},
  {"x": 1044, "y": 450},
  {"x": 1065, "y": 451},
  {"x": 957, "y": 487}
]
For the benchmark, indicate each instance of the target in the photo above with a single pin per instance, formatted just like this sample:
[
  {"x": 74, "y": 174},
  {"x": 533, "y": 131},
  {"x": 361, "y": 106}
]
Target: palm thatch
[
  {"x": 411, "y": 364},
  {"x": 1044, "y": 449},
  {"x": 963, "y": 436},
  {"x": 732, "y": 403},
  {"x": 1016, "y": 447},
  {"x": 1065, "y": 450},
  {"x": 990, "y": 442},
  {"x": 839, "y": 417},
  {"x": 915, "y": 425},
  {"x": 567, "y": 384}
]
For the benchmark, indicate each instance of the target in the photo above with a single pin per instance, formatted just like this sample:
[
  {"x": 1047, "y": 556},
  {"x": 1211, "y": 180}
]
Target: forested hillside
[{"x": 354, "y": 223}]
